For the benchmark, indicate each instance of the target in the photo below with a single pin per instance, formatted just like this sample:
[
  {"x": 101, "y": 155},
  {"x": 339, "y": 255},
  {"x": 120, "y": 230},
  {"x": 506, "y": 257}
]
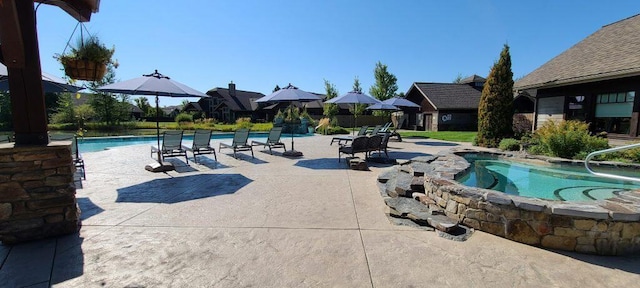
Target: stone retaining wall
[
  {"x": 608, "y": 227},
  {"x": 37, "y": 192}
]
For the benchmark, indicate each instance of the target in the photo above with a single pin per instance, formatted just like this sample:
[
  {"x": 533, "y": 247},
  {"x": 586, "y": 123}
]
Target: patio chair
[
  {"x": 78, "y": 162},
  {"x": 373, "y": 144},
  {"x": 239, "y": 143},
  {"x": 381, "y": 146},
  {"x": 358, "y": 145},
  {"x": 385, "y": 128},
  {"x": 375, "y": 130},
  {"x": 171, "y": 145},
  {"x": 273, "y": 140},
  {"x": 346, "y": 139},
  {"x": 201, "y": 144}
]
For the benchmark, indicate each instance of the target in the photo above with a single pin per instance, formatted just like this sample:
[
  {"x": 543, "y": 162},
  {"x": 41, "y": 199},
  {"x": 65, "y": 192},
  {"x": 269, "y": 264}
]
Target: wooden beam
[
  {"x": 81, "y": 10},
  {"x": 11, "y": 35},
  {"x": 25, "y": 81}
]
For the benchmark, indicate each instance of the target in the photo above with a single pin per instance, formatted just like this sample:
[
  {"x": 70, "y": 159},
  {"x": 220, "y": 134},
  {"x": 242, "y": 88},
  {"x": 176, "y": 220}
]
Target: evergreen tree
[
  {"x": 495, "y": 111},
  {"x": 385, "y": 86}
]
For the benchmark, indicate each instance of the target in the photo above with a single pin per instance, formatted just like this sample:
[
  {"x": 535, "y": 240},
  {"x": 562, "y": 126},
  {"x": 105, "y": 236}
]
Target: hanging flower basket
[
  {"x": 88, "y": 61},
  {"x": 84, "y": 69}
]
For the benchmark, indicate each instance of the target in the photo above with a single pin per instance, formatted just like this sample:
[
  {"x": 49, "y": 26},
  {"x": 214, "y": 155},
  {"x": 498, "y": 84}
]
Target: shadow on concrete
[
  {"x": 246, "y": 157},
  {"x": 323, "y": 164},
  {"x": 180, "y": 166},
  {"x": 69, "y": 259},
  {"x": 401, "y": 155},
  {"x": 629, "y": 263},
  {"x": 180, "y": 189},
  {"x": 88, "y": 208},
  {"x": 209, "y": 163},
  {"x": 436, "y": 144}
]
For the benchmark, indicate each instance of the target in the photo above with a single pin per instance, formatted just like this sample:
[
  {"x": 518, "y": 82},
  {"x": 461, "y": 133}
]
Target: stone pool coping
[{"x": 605, "y": 227}]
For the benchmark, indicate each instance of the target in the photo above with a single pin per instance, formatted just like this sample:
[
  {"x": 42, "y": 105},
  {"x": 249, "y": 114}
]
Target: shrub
[
  {"x": 509, "y": 144},
  {"x": 521, "y": 126},
  {"x": 567, "y": 139},
  {"x": 184, "y": 117},
  {"x": 244, "y": 122}
]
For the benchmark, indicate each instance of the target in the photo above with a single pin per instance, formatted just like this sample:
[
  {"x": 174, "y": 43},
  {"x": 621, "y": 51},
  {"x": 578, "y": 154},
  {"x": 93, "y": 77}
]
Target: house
[
  {"x": 192, "y": 108},
  {"x": 446, "y": 106},
  {"x": 229, "y": 104},
  {"x": 595, "y": 81}
]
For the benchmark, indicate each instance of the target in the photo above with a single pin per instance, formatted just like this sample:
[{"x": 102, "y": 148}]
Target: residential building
[
  {"x": 596, "y": 81},
  {"x": 229, "y": 104},
  {"x": 446, "y": 106}
]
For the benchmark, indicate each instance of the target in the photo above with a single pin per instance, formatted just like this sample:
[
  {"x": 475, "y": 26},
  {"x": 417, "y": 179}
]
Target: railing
[{"x": 607, "y": 175}]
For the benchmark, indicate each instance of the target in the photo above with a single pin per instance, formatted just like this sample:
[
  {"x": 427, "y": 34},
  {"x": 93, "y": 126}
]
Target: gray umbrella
[
  {"x": 50, "y": 83},
  {"x": 401, "y": 102},
  {"x": 153, "y": 84},
  {"x": 290, "y": 94},
  {"x": 354, "y": 97},
  {"x": 383, "y": 106}
]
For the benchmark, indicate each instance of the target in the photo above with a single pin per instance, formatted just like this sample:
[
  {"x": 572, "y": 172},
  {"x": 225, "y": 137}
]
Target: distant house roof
[
  {"x": 449, "y": 95},
  {"x": 473, "y": 79},
  {"x": 609, "y": 53},
  {"x": 243, "y": 100},
  {"x": 192, "y": 106}
]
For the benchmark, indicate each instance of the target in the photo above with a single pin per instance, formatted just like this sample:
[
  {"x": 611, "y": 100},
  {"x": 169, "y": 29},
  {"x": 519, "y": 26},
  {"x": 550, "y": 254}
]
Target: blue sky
[{"x": 260, "y": 44}]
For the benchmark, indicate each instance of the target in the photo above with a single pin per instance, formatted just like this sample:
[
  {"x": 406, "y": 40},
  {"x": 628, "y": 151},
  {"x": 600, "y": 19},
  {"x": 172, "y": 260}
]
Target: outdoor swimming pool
[
  {"x": 570, "y": 183},
  {"x": 94, "y": 144}
]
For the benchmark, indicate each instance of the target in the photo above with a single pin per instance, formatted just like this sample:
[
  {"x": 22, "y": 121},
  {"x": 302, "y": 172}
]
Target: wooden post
[{"x": 21, "y": 54}]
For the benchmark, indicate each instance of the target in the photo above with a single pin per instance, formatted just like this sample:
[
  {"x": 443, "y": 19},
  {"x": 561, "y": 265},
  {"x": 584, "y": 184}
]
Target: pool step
[{"x": 402, "y": 188}]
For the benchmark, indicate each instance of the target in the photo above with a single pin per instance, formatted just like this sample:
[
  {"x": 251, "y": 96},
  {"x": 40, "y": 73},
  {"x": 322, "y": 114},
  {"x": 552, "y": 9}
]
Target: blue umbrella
[
  {"x": 383, "y": 106},
  {"x": 50, "y": 83},
  {"x": 401, "y": 102},
  {"x": 153, "y": 84},
  {"x": 290, "y": 94},
  {"x": 354, "y": 97}
]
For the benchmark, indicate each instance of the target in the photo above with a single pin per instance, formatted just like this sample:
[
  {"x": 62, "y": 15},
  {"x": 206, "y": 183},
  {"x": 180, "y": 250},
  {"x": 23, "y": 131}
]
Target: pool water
[
  {"x": 94, "y": 144},
  {"x": 565, "y": 183}
]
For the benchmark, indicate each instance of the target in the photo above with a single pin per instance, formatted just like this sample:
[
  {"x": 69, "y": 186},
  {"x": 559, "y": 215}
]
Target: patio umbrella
[
  {"x": 354, "y": 97},
  {"x": 401, "y": 102},
  {"x": 50, "y": 83},
  {"x": 153, "y": 84},
  {"x": 290, "y": 94},
  {"x": 383, "y": 106}
]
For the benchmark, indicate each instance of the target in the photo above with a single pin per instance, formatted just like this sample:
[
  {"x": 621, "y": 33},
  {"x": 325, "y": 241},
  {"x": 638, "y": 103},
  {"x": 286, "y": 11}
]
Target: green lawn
[{"x": 454, "y": 136}]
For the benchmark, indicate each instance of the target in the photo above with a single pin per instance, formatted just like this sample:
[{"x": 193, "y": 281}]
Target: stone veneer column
[{"x": 37, "y": 192}]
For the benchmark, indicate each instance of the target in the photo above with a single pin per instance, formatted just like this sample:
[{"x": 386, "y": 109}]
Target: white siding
[{"x": 550, "y": 109}]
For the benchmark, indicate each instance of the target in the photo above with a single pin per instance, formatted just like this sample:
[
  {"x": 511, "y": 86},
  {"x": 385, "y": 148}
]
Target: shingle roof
[
  {"x": 611, "y": 52},
  {"x": 242, "y": 102},
  {"x": 472, "y": 79},
  {"x": 450, "y": 95}
]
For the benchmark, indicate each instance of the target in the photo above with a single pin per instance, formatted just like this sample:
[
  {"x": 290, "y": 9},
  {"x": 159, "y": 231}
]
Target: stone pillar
[{"x": 37, "y": 192}]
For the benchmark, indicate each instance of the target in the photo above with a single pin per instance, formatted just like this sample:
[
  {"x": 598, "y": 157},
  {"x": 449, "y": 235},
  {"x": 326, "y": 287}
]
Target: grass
[{"x": 454, "y": 136}]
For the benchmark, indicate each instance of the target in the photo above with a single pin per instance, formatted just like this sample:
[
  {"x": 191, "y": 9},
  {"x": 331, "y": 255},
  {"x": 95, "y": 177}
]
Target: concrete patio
[{"x": 273, "y": 221}]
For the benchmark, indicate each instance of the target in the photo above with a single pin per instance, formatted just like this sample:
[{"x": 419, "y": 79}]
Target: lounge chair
[
  {"x": 273, "y": 140},
  {"x": 78, "y": 162},
  {"x": 382, "y": 145},
  {"x": 346, "y": 139},
  {"x": 202, "y": 144},
  {"x": 358, "y": 145},
  {"x": 239, "y": 143},
  {"x": 375, "y": 130},
  {"x": 385, "y": 128},
  {"x": 171, "y": 146}
]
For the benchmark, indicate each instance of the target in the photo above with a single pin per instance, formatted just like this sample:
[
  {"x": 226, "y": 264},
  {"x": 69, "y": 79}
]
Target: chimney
[{"x": 232, "y": 89}]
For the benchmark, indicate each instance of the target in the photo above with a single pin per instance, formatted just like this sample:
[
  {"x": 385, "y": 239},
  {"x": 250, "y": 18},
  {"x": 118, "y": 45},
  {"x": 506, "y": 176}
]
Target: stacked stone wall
[
  {"x": 37, "y": 192},
  {"x": 607, "y": 227}
]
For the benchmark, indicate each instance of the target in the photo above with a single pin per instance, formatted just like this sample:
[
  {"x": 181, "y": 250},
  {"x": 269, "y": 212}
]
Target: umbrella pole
[
  {"x": 158, "y": 129},
  {"x": 291, "y": 125}
]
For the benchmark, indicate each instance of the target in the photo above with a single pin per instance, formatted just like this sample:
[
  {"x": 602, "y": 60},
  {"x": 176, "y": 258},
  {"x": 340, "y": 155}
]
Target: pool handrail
[{"x": 607, "y": 175}]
